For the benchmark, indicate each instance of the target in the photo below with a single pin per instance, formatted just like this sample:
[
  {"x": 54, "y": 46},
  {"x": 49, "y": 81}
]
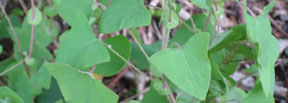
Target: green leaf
[
  {"x": 234, "y": 93},
  {"x": 7, "y": 93},
  {"x": 51, "y": 95},
  {"x": 174, "y": 21},
  {"x": 120, "y": 44},
  {"x": 1, "y": 49},
  {"x": 158, "y": 86},
  {"x": 41, "y": 79},
  {"x": 37, "y": 16},
  {"x": 40, "y": 52},
  {"x": 152, "y": 96},
  {"x": 4, "y": 26},
  {"x": 124, "y": 14},
  {"x": 189, "y": 68},
  {"x": 6, "y": 63},
  {"x": 259, "y": 33},
  {"x": 136, "y": 35},
  {"x": 20, "y": 83},
  {"x": 183, "y": 97},
  {"x": 200, "y": 3},
  {"x": 138, "y": 58},
  {"x": 134, "y": 101},
  {"x": 237, "y": 33},
  {"x": 218, "y": 77},
  {"x": 79, "y": 47},
  {"x": 80, "y": 87},
  {"x": 183, "y": 33},
  {"x": 252, "y": 69},
  {"x": 46, "y": 32},
  {"x": 258, "y": 95},
  {"x": 68, "y": 9},
  {"x": 50, "y": 11}
]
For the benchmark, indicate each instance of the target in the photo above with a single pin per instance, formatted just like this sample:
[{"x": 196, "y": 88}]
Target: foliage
[{"x": 195, "y": 64}]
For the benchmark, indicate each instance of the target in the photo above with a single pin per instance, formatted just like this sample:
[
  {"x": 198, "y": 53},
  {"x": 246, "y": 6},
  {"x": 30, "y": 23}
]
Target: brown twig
[
  {"x": 207, "y": 21},
  {"x": 17, "y": 40},
  {"x": 118, "y": 77},
  {"x": 23, "y": 5},
  {"x": 171, "y": 97}
]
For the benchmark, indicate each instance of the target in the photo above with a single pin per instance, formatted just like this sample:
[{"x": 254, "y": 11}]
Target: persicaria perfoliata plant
[{"x": 79, "y": 51}]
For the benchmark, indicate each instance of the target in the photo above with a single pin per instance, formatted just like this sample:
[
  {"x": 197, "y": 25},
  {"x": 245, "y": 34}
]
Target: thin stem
[
  {"x": 11, "y": 68},
  {"x": 193, "y": 24},
  {"x": 166, "y": 31},
  {"x": 187, "y": 26},
  {"x": 239, "y": 81},
  {"x": 208, "y": 20},
  {"x": 31, "y": 42},
  {"x": 171, "y": 96},
  {"x": 165, "y": 38},
  {"x": 32, "y": 31},
  {"x": 118, "y": 77},
  {"x": 23, "y": 5},
  {"x": 50, "y": 3},
  {"x": 215, "y": 23},
  {"x": 92, "y": 70},
  {"x": 125, "y": 60},
  {"x": 16, "y": 39},
  {"x": 139, "y": 45},
  {"x": 13, "y": 30}
]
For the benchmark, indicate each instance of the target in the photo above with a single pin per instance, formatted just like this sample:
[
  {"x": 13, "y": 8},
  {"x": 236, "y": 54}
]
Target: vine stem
[
  {"x": 92, "y": 70},
  {"x": 17, "y": 40},
  {"x": 208, "y": 20},
  {"x": 139, "y": 45},
  {"x": 13, "y": 30},
  {"x": 11, "y": 68},
  {"x": 166, "y": 31},
  {"x": 125, "y": 60},
  {"x": 215, "y": 22},
  {"x": 24, "y": 7},
  {"x": 32, "y": 31}
]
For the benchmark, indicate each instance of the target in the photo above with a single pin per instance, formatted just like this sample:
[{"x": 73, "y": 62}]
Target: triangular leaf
[
  {"x": 259, "y": 32},
  {"x": 124, "y": 14},
  {"x": 79, "y": 47},
  {"x": 80, "y": 87},
  {"x": 189, "y": 68}
]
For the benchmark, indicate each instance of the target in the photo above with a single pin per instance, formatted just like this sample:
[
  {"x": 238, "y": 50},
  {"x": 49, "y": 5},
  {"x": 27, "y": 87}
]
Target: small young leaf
[
  {"x": 189, "y": 68},
  {"x": 80, "y": 87},
  {"x": 174, "y": 21},
  {"x": 28, "y": 61},
  {"x": 6, "y": 93},
  {"x": 34, "y": 19},
  {"x": 124, "y": 14}
]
